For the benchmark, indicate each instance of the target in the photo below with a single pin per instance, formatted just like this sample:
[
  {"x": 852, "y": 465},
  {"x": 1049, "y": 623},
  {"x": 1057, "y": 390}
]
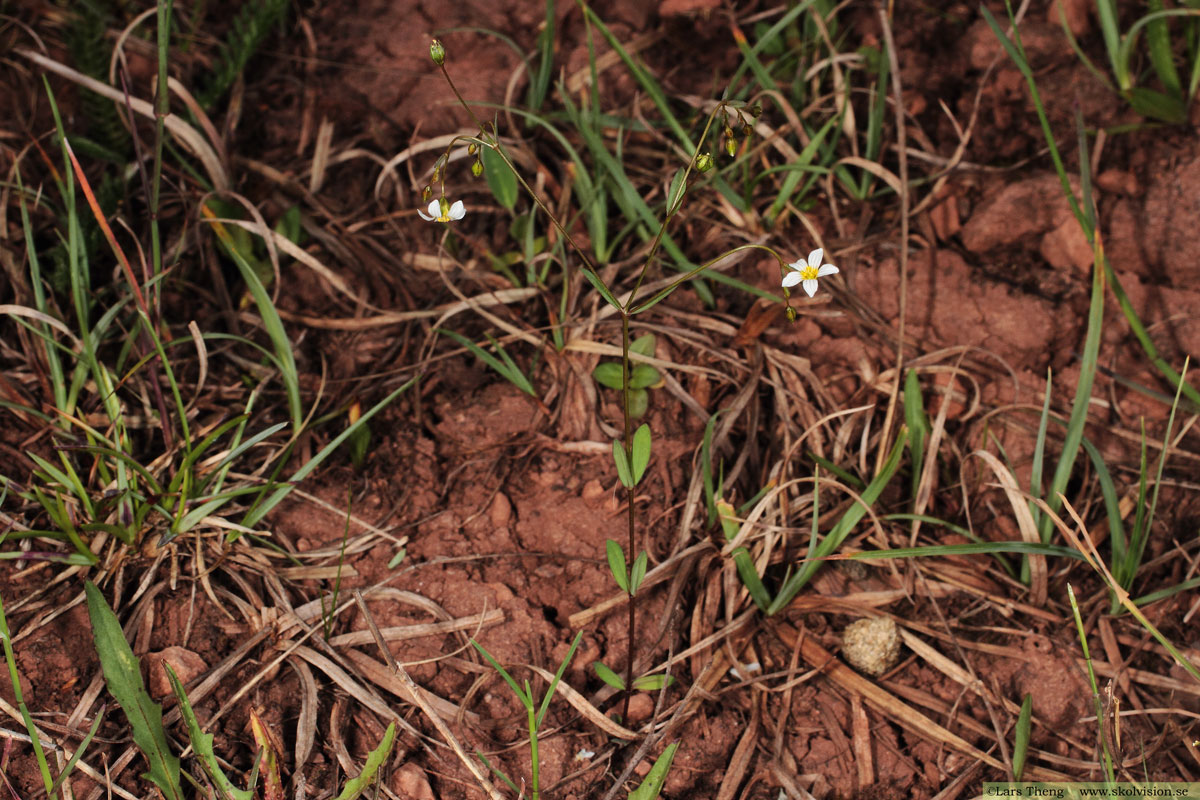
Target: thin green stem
[
  {"x": 631, "y": 514},
  {"x": 533, "y": 746}
]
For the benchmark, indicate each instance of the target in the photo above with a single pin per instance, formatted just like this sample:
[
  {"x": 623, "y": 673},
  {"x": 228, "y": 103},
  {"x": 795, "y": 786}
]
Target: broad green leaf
[
  {"x": 641, "y": 452},
  {"x": 643, "y": 376},
  {"x": 500, "y": 178},
  {"x": 652, "y": 683},
  {"x": 638, "y": 572},
  {"x": 622, "y": 461},
  {"x": 123, "y": 674},
  {"x": 608, "y": 676},
  {"x": 608, "y": 373},
  {"x": 657, "y": 775},
  {"x": 617, "y": 565},
  {"x": 377, "y": 758}
]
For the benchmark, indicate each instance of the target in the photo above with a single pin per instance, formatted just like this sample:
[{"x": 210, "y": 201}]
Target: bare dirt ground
[{"x": 503, "y": 503}]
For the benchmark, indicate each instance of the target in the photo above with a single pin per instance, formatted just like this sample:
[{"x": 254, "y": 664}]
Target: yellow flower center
[{"x": 808, "y": 273}]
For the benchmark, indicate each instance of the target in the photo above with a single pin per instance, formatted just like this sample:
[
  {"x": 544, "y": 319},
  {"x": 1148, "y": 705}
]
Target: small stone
[
  {"x": 872, "y": 646},
  {"x": 500, "y": 511},
  {"x": 641, "y": 706},
  {"x": 410, "y": 783},
  {"x": 187, "y": 665}
]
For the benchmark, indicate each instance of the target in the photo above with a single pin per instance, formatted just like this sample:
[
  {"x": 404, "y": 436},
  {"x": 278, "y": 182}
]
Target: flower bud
[
  {"x": 791, "y": 314},
  {"x": 437, "y": 174},
  {"x": 747, "y": 131},
  {"x": 755, "y": 110},
  {"x": 472, "y": 149},
  {"x": 426, "y": 193},
  {"x": 704, "y": 162},
  {"x": 728, "y": 131},
  {"x": 437, "y": 52},
  {"x": 731, "y": 146},
  {"x": 477, "y": 168}
]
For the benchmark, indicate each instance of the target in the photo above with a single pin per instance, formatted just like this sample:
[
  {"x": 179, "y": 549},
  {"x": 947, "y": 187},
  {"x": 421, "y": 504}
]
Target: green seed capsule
[
  {"x": 477, "y": 168},
  {"x": 437, "y": 52}
]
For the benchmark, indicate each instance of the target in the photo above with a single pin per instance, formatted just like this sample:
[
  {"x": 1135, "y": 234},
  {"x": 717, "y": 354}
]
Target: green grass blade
[
  {"x": 841, "y": 530},
  {"x": 557, "y": 677},
  {"x": 377, "y": 758},
  {"x": 652, "y": 784},
  {"x": 202, "y": 743},
  {"x": 271, "y": 322},
  {"x": 122, "y": 673},
  {"x": 1021, "y": 737},
  {"x": 260, "y": 510}
]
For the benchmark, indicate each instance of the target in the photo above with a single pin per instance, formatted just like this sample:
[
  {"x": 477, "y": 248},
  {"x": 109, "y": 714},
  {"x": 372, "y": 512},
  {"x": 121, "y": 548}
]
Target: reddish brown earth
[{"x": 503, "y": 503}]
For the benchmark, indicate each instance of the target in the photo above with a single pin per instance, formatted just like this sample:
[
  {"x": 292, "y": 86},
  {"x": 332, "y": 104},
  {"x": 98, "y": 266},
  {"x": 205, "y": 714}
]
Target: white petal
[
  {"x": 791, "y": 279},
  {"x": 827, "y": 269},
  {"x": 435, "y": 211},
  {"x": 810, "y": 286},
  {"x": 797, "y": 265},
  {"x": 458, "y": 210},
  {"x": 814, "y": 258}
]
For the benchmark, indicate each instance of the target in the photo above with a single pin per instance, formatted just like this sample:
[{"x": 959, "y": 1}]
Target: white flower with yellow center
[
  {"x": 806, "y": 273},
  {"x": 440, "y": 210}
]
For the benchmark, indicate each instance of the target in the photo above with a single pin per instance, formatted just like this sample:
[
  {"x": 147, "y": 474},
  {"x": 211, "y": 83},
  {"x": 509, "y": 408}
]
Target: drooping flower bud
[
  {"x": 791, "y": 314},
  {"x": 426, "y": 193},
  {"x": 477, "y": 168},
  {"x": 704, "y": 162},
  {"x": 731, "y": 146},
  {"x": 437, "y": 52},
  {"x": 472, "y": 149}
]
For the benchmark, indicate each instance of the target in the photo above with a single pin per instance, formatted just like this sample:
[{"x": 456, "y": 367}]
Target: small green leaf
[
  {"x": 608, "y": 676},
  {"x": 616, "y": 564},
  {"x": 729, "y": 525},
  {"x": 656, "y": 777},
  {"x": 643, "y": 376},
  {"x": 288, "y": 225},
  {"x": 652, "y": 683},
  {"x": 638, "y": 572},
  {"x": 675, "y": 193},
  {"x": 622, "y": 461},
  {"x": 608, "y": 374},
  {"x": 643, "y": 345},
  {"x": 641, "y": 452},
  {"x": 639, "y": 401},
  {"x": 1021, "y": 737},
  {"x": 500, "y": 178},
  {"x": 396, "y": 559},
  {"x": 599, "y": 286}
]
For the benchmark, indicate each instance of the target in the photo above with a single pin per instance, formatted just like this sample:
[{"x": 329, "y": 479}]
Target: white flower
[
  {"x": 441, "y": 211},
  {"x": 806, "y": 274}
]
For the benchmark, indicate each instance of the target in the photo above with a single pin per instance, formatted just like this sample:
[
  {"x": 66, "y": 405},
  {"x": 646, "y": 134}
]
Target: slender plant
[{"x": 631, "y": 453}]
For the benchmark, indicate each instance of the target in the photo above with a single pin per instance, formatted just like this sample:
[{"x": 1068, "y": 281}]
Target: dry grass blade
[
  {"x": 187, "y": 136},
  {"x": 851, "y": 681},
  {"x": 1025, "y": 523},
  {"x": 399, "y": 634},
  {"x": 501, "y": 297},
  {"x": 306, "y": 723},
  {"x": 581, "y": 704},
  {"x": 379, "y": 674},
  {"x": 418, "y": 695},
  {"x": 742, "y": 754}
]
